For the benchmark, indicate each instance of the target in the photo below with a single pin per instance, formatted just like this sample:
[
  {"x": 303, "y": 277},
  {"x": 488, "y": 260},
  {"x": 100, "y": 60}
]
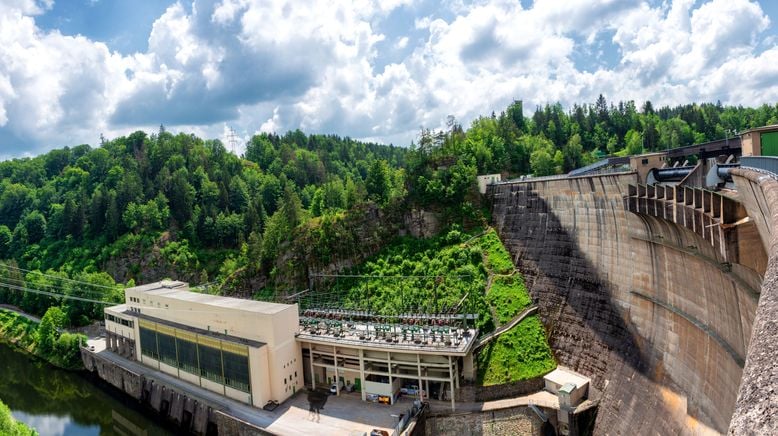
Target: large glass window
[
  {"x": 216, "y": 360},
  {"x": 167, "y": 349},
  {"x": 148, "y": 343},
  {"x": 187, "y": 355},
  {"x": 236, "y": 371},
  {"x": 210, "y": 363}
]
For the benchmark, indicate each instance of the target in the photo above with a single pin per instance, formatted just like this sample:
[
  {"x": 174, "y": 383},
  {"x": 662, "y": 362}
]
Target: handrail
[{"x": 765, "y": 163}]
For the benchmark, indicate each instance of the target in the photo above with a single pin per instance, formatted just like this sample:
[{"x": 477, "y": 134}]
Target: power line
[
  {"x": 57, "y": 291},
  {"x": 57, "y": 277},
  {"x": 361, "y": 276},
  {"x": 53, "y": 294},
  {"x": 22, "y": 282}
]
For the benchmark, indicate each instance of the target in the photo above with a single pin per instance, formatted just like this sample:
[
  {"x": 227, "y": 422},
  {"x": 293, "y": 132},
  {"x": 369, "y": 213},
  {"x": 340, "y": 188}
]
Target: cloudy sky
[{"x": 73, "y": 69}]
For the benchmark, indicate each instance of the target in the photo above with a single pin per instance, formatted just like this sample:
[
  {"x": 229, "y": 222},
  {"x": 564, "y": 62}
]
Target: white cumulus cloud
[{"x": 324, "y": 66}]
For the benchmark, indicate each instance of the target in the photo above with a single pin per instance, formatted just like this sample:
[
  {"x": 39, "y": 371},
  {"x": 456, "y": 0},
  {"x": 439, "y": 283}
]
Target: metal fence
[
  {"x": 405, "y": 418},
  {"x": 764, "y": 163}
]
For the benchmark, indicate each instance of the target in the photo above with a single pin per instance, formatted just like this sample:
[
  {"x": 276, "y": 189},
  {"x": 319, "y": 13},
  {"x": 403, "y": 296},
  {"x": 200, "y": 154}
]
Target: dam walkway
[{"x": 504, "y": 328}]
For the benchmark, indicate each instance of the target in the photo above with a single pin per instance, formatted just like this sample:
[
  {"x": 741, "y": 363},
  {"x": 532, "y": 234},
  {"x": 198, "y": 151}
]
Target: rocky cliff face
[
  {"x": 147, "y": 264},
  {"x": 334, "y": 245},
  {"x": 659, "y": 326}
]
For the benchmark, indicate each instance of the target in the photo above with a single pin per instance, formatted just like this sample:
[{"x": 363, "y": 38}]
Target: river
[{"x": 63, "y": 403}]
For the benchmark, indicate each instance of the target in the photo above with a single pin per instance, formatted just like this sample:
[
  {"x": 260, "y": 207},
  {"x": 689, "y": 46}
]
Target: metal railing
[
  {"x": 412, "y": 413},
  {"x": 764, "y": 163}
]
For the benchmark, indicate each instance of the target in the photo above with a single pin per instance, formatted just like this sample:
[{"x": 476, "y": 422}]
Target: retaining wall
[
  {"x": 648, "y": 309},
  {"x": 513, "y": 421},
  {"x": 474, "y": 393},
  {"x": 191, "y": 415}
]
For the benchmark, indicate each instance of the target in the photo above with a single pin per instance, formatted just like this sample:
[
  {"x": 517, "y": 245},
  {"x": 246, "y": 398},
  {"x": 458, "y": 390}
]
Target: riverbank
[
  {"x": 60, "y": 402},
  {"x": 60, "y": 349},
  {"x": 10, "y": 426}
]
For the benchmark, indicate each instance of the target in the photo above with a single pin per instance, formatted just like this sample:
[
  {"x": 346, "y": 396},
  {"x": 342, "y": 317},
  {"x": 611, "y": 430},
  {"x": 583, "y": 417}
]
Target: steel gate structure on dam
[{"x": 668, "y": 304}]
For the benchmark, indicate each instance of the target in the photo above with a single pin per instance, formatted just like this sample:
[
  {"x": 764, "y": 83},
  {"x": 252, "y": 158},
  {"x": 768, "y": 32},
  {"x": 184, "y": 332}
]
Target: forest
[{"x": 85, "y": 221}]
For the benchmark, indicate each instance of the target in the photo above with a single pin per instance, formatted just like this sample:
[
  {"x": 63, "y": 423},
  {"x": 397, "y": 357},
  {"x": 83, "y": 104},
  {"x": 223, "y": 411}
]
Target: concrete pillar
[
  {"x": 335, "y": 361},
  {"x": 313, "y": 374},
  {"x": 468, "y": 367},
  {"x": 362, "y": 373},
  {"x": 389, "y": 369},
  {"x": 456, "y": 373},
  {"x": 451, "y": 383},
  {"x": 421, "y": 386}
]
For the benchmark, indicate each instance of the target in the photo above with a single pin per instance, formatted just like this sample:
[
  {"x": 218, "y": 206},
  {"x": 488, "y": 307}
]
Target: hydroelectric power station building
[
  {"x": 242, "y": 349},
  {"x": 255, "y": 352}
]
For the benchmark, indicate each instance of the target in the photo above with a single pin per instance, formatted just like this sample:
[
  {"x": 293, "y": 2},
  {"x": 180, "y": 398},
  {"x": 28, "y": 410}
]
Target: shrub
[{"x": 10, "y": 426}]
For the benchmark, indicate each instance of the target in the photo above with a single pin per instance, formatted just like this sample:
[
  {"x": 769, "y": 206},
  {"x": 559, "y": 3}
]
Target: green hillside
[
  {"x": 433, "y": 276},
  {"x": 85, "y": 221}
]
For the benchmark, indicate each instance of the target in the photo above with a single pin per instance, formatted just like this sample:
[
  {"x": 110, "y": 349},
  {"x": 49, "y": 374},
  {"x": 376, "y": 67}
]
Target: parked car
[
  {"x": 412, "y": 390},
  {"x": 334, "y": 387}
]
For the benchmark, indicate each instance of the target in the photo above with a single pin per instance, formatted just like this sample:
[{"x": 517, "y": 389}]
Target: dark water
[{"x": 62, "y": 403}]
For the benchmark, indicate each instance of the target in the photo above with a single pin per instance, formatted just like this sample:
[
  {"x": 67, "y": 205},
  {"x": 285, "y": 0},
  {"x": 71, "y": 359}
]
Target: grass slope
[{"x": 520, "y": 353}]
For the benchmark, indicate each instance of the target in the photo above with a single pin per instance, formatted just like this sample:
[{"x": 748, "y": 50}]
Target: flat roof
[
  {"x": 180, "y": 291},
  {"x": 563, "y": 376},
  {"x": 362, "y": 335},
  {"x": 118, "y": 309},
  {"x": 568, "y": 388},
  {"x": 761, "y": 129}
]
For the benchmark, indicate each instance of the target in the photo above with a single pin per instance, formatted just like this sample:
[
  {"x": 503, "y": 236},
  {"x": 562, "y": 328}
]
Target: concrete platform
[{"x": 346, "y": 414}]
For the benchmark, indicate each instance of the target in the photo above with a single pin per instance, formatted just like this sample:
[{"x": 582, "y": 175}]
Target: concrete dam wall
[{"x": 641, "y": 290}]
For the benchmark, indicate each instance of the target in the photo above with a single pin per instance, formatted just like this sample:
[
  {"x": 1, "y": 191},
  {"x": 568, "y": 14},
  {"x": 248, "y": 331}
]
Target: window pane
[
  {"x": 187, "y": 356},
  {"x": 236, "y": 371},
  {"x": 148, "y": 343},
  {"x": 167, "y": 349},
  {"x": 210, "y": 363}
]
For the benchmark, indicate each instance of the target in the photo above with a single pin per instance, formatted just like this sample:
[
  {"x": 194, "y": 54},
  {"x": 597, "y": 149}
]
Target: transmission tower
[{"x": 232, "y": 138}]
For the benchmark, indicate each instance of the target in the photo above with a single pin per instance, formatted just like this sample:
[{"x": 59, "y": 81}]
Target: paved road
[
  {"x": 542, "y": 398},
  {"x": 20, "y": 312}
]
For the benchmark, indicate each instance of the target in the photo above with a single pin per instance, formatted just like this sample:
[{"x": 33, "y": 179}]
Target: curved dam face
[{"x": 642, "y": 291}]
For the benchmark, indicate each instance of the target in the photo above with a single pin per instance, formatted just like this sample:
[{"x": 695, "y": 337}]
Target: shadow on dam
[{"x": 585, "y": 327}]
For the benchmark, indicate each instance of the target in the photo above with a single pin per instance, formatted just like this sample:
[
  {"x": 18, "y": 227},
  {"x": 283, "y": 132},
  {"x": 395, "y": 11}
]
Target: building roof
[
  {"x": 180, "y": 291},
  {"x": 362, "y": 335},
  {"x": 568, "y": 388},
  {"x": 769, "y": 128},
  {"x": 563, "y": 376}
]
